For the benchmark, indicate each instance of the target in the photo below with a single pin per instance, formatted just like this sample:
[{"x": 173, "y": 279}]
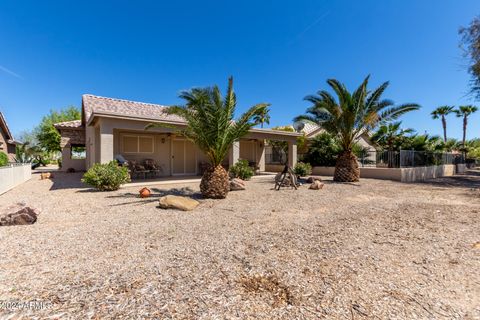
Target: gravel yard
[{"x": 376, "y": 249}]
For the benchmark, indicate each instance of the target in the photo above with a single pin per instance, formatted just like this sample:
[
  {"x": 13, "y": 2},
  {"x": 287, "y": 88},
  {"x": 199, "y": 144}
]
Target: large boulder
[
  {"x": 237, "y": 184},
  {"x": 18, "y": 214},
  {"x": 178, "y": 202},
  {"x": 316, "y": 185}
]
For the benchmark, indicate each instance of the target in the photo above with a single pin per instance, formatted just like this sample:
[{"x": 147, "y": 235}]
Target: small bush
[
  {"x": 106, "y": 177},
  {"x": 3, "y": 159},
  {"x": 302, "y": 169},
  {"x": 241, "y": 170}
]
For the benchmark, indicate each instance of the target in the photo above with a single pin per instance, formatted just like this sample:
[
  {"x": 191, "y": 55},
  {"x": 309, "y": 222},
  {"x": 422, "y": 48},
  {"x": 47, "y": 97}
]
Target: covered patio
[
  {"x": 114, "y": 129},
  {"x": 171, "y": 154}
]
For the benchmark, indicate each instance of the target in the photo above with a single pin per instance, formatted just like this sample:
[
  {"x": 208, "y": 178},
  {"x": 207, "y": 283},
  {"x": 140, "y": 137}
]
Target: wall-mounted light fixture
[{"x": 163, "y": 140}]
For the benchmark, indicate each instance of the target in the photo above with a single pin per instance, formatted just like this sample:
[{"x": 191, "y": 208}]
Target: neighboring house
[
  {"x": 112, "y": 128},
  {"x": 312, "y": 130},
  {"x": 7, "y": 142}
]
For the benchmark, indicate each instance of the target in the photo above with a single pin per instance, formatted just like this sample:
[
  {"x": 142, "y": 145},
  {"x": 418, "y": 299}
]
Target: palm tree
[
  {"x": 442, "y": 112},
  {"x": 464, "y": 112},
  {"x": 347, "y": 118},
  {"x": 390, "y": 135},
  {"x": 263, "y": 117},
  {"x": 211, "y": 126}
]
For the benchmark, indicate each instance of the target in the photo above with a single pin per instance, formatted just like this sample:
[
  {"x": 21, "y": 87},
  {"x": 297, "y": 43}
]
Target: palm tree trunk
[
  {"x": 444, "y": 124},
  {"x": 346, "y": 168},
  {"x": 464, "y": 130},
  {"x": 215, "y": 184}
]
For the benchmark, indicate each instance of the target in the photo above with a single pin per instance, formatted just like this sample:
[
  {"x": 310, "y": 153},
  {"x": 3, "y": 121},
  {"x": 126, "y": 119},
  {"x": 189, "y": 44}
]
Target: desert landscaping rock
[
  {"x": 375, "y": 249},
  {"x": 312, "y": 179},
  {"x": 178, "y": 202},
  {"x": 18, "y": 214},
  {"x": 237, "y": 184},
  {"x": 316, "y": 185}
]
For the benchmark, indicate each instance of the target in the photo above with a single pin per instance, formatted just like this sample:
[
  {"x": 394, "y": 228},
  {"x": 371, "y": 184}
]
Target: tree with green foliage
[
  {"x": 3, "y": 159},
  {"x": 263, "y": 117},
  {"x": 277, "y": 145},
  {"x": 322, "y": 150},
  {"x": 349, "y": 116},
  {"x": 464, "y": 112},
  {"x": 390, "y": 136},
  {"x": 211, "y": 126},
  {"x": 470, "y": 44},
  {"x": 442, "y": 112},
  {"x": 423, "y": 142},
  {"x": 48, "y": 137}
]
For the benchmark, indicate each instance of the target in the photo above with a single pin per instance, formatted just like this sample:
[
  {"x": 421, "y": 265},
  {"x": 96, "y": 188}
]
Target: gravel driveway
[{"x": 376, "y": 249}]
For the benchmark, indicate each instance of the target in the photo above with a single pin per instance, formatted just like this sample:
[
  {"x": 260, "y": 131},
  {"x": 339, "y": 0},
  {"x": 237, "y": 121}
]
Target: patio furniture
[
  {"x": 286, "y": 178},
  {"x": 137, "y": 170},
  {"x": 121, "y": 160},
  {"x": 153, "y": 169}
]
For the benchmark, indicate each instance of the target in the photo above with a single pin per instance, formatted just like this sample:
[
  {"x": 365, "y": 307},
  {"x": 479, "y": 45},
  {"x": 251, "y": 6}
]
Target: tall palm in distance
[
  {"x": 464, "y": 112},
  {"x": 442, "y": 112},
  {"x": 349, "y": 116},
  {"x": 263, "y": 116},
  {"x": 211, "y": 126}
]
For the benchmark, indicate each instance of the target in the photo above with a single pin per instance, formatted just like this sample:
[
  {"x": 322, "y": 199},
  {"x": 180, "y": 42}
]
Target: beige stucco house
[
  {"x": 7, "y": 142},
  {"x": 114, "y": 127}
]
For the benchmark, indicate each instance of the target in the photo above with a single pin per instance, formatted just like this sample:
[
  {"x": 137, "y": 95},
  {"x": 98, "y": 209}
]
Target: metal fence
[{"x": 408, "y": 158}]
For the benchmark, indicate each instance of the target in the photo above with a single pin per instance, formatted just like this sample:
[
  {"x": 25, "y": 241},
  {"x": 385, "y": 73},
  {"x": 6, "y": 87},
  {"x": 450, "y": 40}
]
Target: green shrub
[
  {"x": 302, "y": 169},
  {"x": 241, "y": 170},
  {"x": 322, "y": 151},
  {"x": 106, "y": 177},
  {"x": 3, "y": 159}
]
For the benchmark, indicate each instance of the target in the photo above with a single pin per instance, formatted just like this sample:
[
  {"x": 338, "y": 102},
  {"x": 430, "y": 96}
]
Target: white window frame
[{"x": 152, "y": 138}]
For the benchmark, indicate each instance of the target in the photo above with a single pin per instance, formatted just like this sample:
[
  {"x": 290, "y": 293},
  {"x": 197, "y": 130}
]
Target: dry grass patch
[{"x": 269, "y": 288}]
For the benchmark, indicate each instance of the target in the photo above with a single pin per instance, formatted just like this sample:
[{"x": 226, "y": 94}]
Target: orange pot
[{"x": 145, "y": 193}]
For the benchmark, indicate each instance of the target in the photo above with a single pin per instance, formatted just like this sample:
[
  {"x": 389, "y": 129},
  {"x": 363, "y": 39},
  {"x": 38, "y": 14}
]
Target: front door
[{"x": 183, "y": 157}]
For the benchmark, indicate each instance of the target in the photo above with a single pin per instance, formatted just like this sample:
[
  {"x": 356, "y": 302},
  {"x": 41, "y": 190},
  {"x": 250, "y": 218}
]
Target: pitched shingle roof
[
  {"x": 119, "y": 107},
  {"x": 4, "y": 125},
  {"x": 69, "y": 124},
  {"x": 310, "y": 128}
]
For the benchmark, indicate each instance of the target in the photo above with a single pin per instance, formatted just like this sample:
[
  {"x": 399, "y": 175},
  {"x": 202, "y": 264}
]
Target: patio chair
[
  {"x": 136, "y": 169},
  {"x": 152, "y": 167},
  {"x": 121, "y": 160}
]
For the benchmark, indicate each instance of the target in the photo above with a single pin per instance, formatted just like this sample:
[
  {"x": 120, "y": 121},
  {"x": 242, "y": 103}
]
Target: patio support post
[
  {"x": 260, "y": 154},
  {"x": 234, "y": 153},
  {"x": 106, "y": 144},
  {"x": 292, "y": 153}
]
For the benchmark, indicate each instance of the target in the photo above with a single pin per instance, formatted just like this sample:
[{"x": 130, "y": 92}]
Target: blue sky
[{"x": 277, "y": 51}]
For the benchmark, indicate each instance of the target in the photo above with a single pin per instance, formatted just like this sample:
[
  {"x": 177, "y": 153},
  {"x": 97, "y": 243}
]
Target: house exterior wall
[
  {"x": 69, "y": 163},
  {"x": 69, "y": 137},
  {"x": 103, "y": 140},
  {"x": 6, "y": 147},
  {"x": 161, "y": 154}
]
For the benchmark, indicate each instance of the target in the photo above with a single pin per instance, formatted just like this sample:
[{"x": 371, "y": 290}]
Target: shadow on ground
[
  {"x": 63, "y": 180},
  {"x": 156, "y": 194},
  {"x": 470, "y": 179}
]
